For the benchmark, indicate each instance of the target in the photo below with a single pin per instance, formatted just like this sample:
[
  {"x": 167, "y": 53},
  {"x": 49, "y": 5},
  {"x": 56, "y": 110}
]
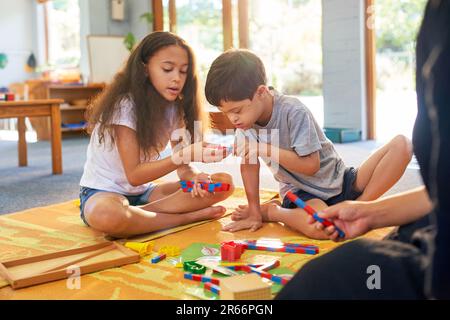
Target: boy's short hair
[{"x": 234, "y": 75}]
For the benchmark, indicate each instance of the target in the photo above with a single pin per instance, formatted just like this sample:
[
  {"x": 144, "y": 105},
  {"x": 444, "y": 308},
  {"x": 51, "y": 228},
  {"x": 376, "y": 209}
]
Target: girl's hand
[
  {"x": 200, "y": 152},
  {"x": 197, "y": 189},
  {"x": 352, "y": 217}
]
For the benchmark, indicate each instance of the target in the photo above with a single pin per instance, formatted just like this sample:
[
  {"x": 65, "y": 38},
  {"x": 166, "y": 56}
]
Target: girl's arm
[{"x": 139, "y": 173}]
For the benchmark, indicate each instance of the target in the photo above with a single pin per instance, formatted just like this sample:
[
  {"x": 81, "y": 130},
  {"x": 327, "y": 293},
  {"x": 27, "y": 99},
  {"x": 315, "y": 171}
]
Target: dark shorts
[
  {"x": 134, "y": 200},
  {"x": 348, "y": 192}
]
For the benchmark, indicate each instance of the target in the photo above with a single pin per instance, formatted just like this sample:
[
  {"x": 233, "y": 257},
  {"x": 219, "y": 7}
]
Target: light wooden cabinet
[{"x": 76, "y": 99}]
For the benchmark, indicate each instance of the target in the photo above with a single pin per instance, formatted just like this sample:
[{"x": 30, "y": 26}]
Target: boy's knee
[
  {"x": 107, "y": 217},
  {"x": 403, "y": 146}
]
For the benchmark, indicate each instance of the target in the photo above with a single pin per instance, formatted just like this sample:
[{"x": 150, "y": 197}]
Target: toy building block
[
  {"x": 212, "y": 287},
  {"x": 194, "y": 267},
  {"x": 187, "y": 186},
  {"x": 158, "y": 258},
  {"x": 244, "y": 287},
  {"x": 143, "y": 248},
  {"x": 170, "y": 251},
  {"x": 231, "y": 251},
  {"x": 200, "y": 278},
  {"x": 299, "y": 202},
  {"x": 266, "y": 275}
]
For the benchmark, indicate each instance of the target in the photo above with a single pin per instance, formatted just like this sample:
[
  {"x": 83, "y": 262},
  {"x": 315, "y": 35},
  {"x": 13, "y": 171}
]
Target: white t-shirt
[{"x": 103, "y": 169}]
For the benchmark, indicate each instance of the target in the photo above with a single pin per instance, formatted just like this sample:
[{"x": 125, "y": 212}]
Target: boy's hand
[
  {"x": 197, "y": 189},
  {"x": 350, "y": 216}
]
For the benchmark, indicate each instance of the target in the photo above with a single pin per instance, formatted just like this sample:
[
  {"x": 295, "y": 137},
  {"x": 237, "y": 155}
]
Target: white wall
[
  {"x": 344, "y": 87},
  {"x": 19, "y": 39}
]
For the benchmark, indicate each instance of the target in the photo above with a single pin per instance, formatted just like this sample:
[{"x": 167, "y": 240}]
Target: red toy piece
[{"x": 231, "y": 251}]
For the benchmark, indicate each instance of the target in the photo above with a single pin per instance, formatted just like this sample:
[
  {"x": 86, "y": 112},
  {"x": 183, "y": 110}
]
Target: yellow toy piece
[
  {"x": 170, "y": 251},
  {"x": 143, "y": 248},
  {"x": 76, "y": 202}
]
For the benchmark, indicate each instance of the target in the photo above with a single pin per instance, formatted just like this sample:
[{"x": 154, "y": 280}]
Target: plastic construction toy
[
  {"x": 231, "y": 251},
  {"x": 313, "y": 212},
  {"x": 200, "y": 278},
  {"x": 158, "y": 258},
  {"x": 212, "y": 287},
  {"x": 283, "y": 247},
  {"x": 170, "y": 251},
  {"x": 194, "y": 267},
  {"x": 143, "y": 248},
  {"x": 187, "y": 185}
]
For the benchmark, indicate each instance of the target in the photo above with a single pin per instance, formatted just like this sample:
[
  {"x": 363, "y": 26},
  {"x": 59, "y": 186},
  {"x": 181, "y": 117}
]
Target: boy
[{"x": 307, "y": 162}]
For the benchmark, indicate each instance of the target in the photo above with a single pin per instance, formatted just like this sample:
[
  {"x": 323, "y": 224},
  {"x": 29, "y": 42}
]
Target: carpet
[{"x": 58, "y": 227}]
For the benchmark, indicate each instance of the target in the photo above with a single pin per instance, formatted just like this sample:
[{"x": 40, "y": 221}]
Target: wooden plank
[
  {"x": 227, "y": 22},
  {"x": 56, "y": 139},
  {"x": 243, "y": 24},
  {"x": 22, "y": 143},
  {"x": 158, "y": 15},
  {"x": 370, "y": 51},
  {"x": 172, "y": 16},
  {"x": 22, "y": 273},
  {"x": 30, "y": 102}
]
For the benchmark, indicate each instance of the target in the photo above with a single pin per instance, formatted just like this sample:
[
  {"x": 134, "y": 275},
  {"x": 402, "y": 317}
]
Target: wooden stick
[{"x": 94, "y": 254}]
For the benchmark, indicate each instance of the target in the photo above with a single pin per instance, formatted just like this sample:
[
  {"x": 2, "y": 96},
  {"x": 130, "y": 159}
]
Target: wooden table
[{"x": 36, "y": 108}]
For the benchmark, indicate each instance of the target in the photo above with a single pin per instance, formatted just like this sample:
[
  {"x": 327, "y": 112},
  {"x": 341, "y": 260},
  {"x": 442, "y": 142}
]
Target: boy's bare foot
[
  {"x": 206, "y": 213},
  {"x": 241, "y": 211}
]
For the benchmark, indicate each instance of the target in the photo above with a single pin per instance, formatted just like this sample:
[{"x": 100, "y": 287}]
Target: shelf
[
  {"x": 72, "y": 108},
  {"x": 73, "y": 129}
]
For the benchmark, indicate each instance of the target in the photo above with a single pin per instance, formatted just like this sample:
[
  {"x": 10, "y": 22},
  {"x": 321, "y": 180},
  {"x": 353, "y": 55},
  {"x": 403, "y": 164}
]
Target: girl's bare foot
[{"x": 206, "y": 214}]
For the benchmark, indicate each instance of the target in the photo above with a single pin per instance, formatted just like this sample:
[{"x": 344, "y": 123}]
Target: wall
[
  {"x": 96, "y": 20},
  {"x": 344, "y": 86},
  {"x": 19, "y": 38}
]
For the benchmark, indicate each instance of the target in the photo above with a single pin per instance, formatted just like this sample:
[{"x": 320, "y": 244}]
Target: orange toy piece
[{"x": 244, "y": 287}]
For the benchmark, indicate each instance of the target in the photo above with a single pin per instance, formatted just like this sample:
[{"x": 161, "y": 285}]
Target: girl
[{"x": 131, "y": 122}]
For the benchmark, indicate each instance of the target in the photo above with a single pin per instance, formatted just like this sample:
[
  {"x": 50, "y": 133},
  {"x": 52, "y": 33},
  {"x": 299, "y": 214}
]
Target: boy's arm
[
  {"x": 250, "y": 177},
  {"x": 291, "y": 161}
]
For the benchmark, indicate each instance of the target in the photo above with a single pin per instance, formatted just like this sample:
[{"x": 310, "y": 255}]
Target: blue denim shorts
[
  {"x": 134, "y": 200},
  {"x": 348, "y": 191}
]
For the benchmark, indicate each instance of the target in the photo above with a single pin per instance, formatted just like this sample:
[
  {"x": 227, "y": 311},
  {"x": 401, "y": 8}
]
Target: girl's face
[{"x": 167, "y": 71}]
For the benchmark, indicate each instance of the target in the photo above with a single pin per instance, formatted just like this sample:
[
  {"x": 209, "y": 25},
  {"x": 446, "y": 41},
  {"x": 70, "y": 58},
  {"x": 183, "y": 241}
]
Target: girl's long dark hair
[{"x": 133, "y": 83}]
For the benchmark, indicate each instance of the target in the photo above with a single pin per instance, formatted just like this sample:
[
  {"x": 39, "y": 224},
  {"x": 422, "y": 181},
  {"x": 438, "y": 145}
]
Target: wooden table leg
[
  {"x": 56, "y": 139},
  {"x": 22, "y": 142}
]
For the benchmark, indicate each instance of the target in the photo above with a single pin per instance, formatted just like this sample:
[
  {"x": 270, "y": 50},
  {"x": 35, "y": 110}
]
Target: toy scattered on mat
[
  {"x": 187, "y": 185},
  {"x": 170, "y": 251},
  {"x": 244, "y": 287},
  {"x": 194, "y": 267},
  {"x": 200, "y": 278},
  {"x": 143, "y": 248},
  {"x": 232, "y": 250},
  {"x": 284, "y": 248},
  {"x": 266, "y": 275},
  {"x": 313, "y": 212},
  {"x": 158, "y": 258},
  {"x": 177, "y": 262},
  {"x": 212, "y": 287}
]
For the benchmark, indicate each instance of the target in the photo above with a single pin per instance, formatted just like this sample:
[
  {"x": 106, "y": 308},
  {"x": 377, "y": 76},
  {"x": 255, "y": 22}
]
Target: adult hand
[{"x": 352, "y": 217}]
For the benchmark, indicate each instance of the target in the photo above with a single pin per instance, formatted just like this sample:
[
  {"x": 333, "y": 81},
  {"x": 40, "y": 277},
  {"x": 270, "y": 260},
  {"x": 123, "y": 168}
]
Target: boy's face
[{"x": 244, "y": 113}]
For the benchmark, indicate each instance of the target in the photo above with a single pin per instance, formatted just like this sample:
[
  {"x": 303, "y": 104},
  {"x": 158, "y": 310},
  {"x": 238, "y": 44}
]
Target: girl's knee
[
  {"x": 106, "y": 216},
  {"x": 222, "y": 177}
]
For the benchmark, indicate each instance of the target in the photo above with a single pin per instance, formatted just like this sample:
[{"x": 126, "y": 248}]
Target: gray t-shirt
[{"x": 298, "y": 131}]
